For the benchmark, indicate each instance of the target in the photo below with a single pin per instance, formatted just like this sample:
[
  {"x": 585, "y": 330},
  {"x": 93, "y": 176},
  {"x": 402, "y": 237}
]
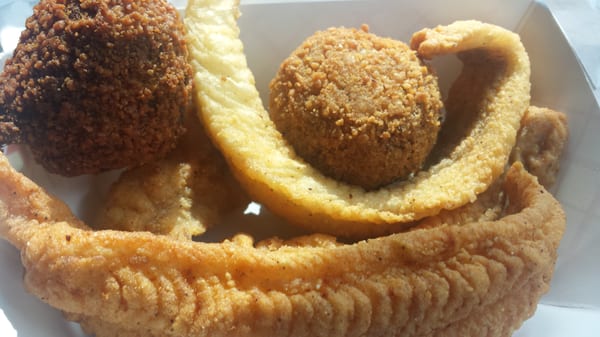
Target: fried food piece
[
  {"x": 97, "y": 85},
  {"x": 540, "y": 143},
  {"x": 541, "y": 139},
  {"x": 180, "y": 196},
  {"x": 275, "y": 176},
  {"x": 480, "y": 278},
  {"x": 469, "y": 280},
  {"x": 488, "y": 206},
  {"x": 360, "y": 108}
]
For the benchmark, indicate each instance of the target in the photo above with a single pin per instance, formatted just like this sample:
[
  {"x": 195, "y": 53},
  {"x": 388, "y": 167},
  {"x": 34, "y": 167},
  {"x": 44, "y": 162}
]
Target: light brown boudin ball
[{"x": 361, "y": 108}]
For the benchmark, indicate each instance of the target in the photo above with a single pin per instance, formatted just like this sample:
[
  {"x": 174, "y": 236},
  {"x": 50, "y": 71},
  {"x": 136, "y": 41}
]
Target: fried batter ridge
[
  {"x": 275, "y": 176},
  {"x": 477, "y": 278}
]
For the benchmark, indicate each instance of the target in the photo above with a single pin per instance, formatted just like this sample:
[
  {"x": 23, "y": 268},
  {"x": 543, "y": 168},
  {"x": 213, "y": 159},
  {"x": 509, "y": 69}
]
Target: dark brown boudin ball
[{"x": 97, "y": 84}]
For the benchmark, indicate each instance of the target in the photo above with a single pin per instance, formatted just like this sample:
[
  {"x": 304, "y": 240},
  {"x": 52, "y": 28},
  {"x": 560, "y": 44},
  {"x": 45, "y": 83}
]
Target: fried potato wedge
[{"x": 275, "y": 176}]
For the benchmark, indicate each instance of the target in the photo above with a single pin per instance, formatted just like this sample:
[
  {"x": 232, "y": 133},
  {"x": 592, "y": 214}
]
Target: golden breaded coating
[
  {"x": 180, "y": 196},
  {"x": 471, "y": 269},
  {"x": 275, "y": 176},
  {"x": 97, "y": 85},
  {"x": 488, "y": 207},
  {"x": 540, "y": 143},
  {"x": 362, "y": 109},
  {"x": 481, "y": 278}
]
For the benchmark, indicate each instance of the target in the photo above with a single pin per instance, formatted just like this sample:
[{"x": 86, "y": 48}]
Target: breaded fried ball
[
  {"x": 360, "y": 108},
  {"x": 96, "y": 85}
]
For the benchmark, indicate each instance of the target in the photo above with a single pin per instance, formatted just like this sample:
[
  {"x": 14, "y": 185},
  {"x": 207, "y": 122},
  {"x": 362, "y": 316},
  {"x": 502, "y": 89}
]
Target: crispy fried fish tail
[
  {"x": 24, "y": 205},
  {"x": 275, "y": 176}
]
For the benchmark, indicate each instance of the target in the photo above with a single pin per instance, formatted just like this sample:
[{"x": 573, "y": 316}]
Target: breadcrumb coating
[
  {"x": 96, "y": 85},
  {"x": 361, "y": 108}
]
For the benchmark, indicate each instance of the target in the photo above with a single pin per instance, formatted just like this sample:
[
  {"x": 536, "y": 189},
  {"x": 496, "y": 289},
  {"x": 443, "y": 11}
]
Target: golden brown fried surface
[
  {"x": 362, "y": 109},
  {"x": 276, "y": 177},
  {"x": 478, "y": 270},
  {"x": 541, "y": 139},
  {"x": 180, "y": 196},
  {"x": 488, "y": 207},
  {"x": 540, "y": 143},
  {"x": 481, "y": 278},
  {"x": 96, "y": 85}
]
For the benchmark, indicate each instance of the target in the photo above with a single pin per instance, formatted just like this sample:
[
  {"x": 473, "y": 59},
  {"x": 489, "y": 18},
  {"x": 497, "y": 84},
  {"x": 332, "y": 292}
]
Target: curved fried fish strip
[
  {"x": 276, "y": 177},
  {"x": 180, "y": 196},
  {"x": 450, "y": 280},
  {"x": 540, "y": 143}
]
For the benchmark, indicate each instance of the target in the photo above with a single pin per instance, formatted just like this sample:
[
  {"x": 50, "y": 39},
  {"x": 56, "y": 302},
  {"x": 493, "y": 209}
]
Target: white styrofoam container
[{"x": 272, "y": 29}]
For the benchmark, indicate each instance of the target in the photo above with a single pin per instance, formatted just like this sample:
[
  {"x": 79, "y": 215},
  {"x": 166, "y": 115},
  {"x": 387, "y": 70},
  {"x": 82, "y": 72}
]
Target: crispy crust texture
[
  {"x": 97, "y": 85},
  {"x": 540, "y": 143},
  {"x": 181, "y": 195},
  {"x": 275, "y": 176},
  {"x": 478, "y": 270},
  {"x": 446, "y": 280},
  {"x": 360, "y": 108}
]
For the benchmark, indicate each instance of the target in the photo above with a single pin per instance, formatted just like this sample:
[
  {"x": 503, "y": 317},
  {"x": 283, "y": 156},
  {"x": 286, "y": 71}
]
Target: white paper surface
[
  {"x": 270, "y": 32},
  {"x": 580, "y": 21}
]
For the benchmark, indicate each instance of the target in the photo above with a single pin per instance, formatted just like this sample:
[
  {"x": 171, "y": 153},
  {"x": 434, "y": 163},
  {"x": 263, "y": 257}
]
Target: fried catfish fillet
[
  {"x": 540, "y": 143},
  {"x": 180, "y": 196},
  {"x": 480, "y": 277}
]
